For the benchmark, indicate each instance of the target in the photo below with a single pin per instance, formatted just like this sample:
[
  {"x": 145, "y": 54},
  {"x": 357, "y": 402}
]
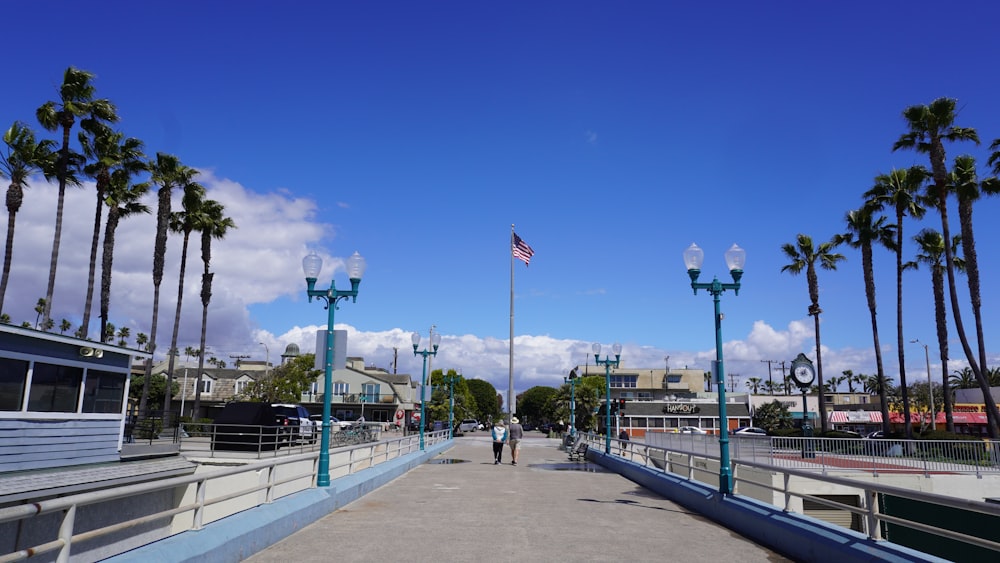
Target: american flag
[{"x": 521, "y": 250}]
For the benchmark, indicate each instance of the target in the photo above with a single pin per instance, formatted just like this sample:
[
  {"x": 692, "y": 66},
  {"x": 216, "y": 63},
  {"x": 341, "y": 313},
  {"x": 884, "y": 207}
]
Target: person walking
[
  {"x": 623, "y": 436},
  {"x": 515, "y": 434},
  {"x": 499, "y": 437}
]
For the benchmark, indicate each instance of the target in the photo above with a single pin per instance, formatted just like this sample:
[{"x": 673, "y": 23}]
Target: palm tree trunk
[
  {"x": 107, "y": 260},
  {"x": 8, "y": 250},
  {"x": 177, "y": 323},
  {"x": 152, "y": 349},
  {"x": 972, "y": 275},
  {"x": 956, "y": 312},
  {"x": 89, "y": 300},
  {"x": 819, "y": 377},
  {"x": 941, "y": 322},
  {"x": 206, "y": 297},
  {"x": 900, "y": 346},
  {"x": 57, "y": 237}
]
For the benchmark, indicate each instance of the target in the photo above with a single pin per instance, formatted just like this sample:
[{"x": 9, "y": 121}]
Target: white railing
[
  {"x": 688, "y": 461},
  {"x": 263, "y": 482}
]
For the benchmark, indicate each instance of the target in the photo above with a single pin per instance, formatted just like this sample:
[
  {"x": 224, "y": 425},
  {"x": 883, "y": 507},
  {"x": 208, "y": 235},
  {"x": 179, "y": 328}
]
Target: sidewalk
[{"x": 462, "y": 507}]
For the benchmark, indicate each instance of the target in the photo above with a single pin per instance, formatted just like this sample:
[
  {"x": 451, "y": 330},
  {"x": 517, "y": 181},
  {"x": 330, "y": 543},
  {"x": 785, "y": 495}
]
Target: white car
[
  {"x": 691, "y": 430},
  {"x": 335, "y": 423},
  {"x": 469, "y": 425}
]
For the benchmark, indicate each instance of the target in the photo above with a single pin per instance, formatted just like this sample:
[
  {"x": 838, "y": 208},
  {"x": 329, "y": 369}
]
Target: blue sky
[{"x": 613, "y": 135}]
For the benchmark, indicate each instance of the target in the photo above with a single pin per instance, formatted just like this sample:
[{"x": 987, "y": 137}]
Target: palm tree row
[
  {"x": 909, "y": 193},
  {"x": 115, "y": 163}
]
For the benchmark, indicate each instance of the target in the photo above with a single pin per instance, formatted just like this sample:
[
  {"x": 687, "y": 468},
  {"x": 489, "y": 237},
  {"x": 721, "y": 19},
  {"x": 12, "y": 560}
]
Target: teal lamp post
[
  {"x": 735, "y": 258},
  {"x": 608, "y": 363},
  {"x": 450, "y": 380},
  {"x": 572, "y": 380},
  {"x": 311, "y": 267},
  {"x": 435, "y": 342}
]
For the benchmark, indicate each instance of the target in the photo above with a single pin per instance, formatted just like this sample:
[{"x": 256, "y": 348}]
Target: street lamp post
[
  {"x": 267, "y": 359},
  {"x": 450, "y": 380},
  {"x": 572, "y": 381},
  {"x": 311, "y": 266},
  {"x": 608, "y": 363},
  {"x": 435, "y": 342},
  {"x": 930, "y": 386},
  {"x": 735, "y": 258}
]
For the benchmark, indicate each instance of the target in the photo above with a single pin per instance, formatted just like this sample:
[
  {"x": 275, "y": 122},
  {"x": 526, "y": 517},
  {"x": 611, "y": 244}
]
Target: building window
[
  {"x": 644, "y": 396},
  {"x": 673, "y": 379},
  {"x": 369, "y": 393},
  {"x": 624, "y": 380},
  {"x": 103, "y": 392},
  {"x": 54, "y": 388},
  {"x": 206, "y": 385},
  {"x": 341, "y": 388},
  {"x": 241, "y": 386},
  {"x": 13, "y": 374}
]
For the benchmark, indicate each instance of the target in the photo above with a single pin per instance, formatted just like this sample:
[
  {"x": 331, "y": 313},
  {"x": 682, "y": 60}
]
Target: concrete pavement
[{"x": 462, "y": 507}]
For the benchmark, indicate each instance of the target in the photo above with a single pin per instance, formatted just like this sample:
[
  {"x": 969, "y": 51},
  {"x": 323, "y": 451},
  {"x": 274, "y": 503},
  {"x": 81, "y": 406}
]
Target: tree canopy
[{"x": 285, "y": 383}]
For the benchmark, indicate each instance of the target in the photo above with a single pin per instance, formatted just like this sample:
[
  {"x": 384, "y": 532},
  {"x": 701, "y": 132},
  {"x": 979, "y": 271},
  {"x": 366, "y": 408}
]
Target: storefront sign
[{"x": 681, "y": 408}]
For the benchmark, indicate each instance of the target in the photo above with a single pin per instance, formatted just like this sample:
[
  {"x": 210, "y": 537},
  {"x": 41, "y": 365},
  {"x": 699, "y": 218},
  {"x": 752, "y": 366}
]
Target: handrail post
[
  {"x": 199, "y": 500},
  {"x": 66, "y": 534},
  {"x": 269, "y": 497},
  {"x": 871, "y": 499}
]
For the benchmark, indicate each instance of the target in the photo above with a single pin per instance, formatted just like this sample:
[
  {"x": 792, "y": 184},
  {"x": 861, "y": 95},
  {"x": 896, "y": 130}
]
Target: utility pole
[
  {"x": 784, "y": 383},
  {"x": 732, "y": 382},
  {"x": 238, "y": 358},
  {"x": 395, "y": 359},
  {"x": 769, "y": 371}
]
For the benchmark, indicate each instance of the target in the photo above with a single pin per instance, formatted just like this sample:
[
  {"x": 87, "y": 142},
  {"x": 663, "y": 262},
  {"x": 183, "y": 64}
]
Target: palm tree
[
  {"x": 124, "y": 200},
  {"x": 109, "y": 333},
  {"x": 803, "y": 256},
  {"x": 189, "y": 351},
  {"x": 754, "y": 384},
  {"x": 39, "y": 311},
  {"x": 123, "y": 334},
  {"x": 931, "y": 245},
  {"x": 64, "y": 325},
  {"x": 76, "y": 99},
  {"x": 864, "y": 231},
  {"x": 963, "y": 379},
  {"x": 968, "y": 188},
  {"x": 849, "y": 379},
  {"x": 929, "y": 127},
  {"x": 18, "y": 161},
  {"x": 182, "y": 222},
  {"x": 109, "y": 150},
  {"x": 900, "y": 190},
  {"x": 168, "y": 173},
  {"x": 213, "y": 224},
  {"x": 140, "y": 340}
]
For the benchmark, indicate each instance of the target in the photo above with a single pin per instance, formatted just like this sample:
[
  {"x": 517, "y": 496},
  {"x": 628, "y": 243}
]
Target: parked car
[
  {"x": 335, "y": 423},
  {"x": 749, "y": 431},
  {"x": 877, "y": 435},
  {"x": 301, "y": 427},
  {"x": 249, "y": 427},
  {"x": 691, "y": 430},
  {"x": 469, "y": 425}
]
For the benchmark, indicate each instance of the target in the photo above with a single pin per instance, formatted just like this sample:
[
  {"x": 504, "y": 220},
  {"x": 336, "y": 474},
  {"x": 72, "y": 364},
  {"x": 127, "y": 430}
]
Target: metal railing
[
  {"x": 281, "y": 476},
  {"x": 686, "y": 456},
  {"x": 247, "y": 441},
  {"x": 833, "y": 455}
]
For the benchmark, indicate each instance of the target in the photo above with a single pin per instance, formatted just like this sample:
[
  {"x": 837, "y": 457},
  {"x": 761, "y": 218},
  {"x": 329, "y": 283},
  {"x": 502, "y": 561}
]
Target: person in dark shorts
[{"x": 514, "y": 435}]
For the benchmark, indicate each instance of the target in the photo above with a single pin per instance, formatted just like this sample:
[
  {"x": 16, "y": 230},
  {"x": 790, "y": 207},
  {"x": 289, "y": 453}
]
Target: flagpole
[{"x": 510, "y": 381}]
